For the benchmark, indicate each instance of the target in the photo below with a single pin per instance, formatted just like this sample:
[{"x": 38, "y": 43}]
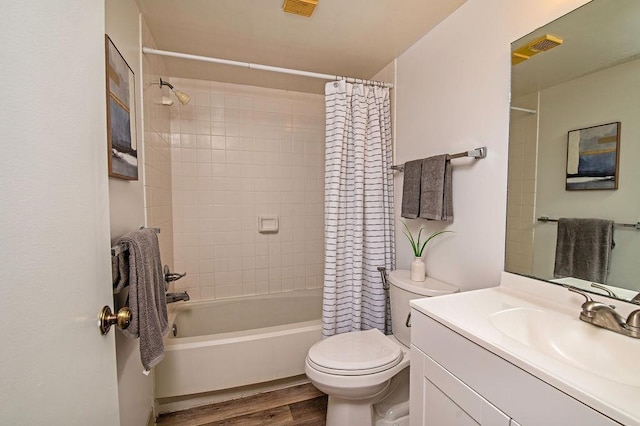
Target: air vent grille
[
  {"x": 300, "y": 7},
  {"x": 541, "y": 44}
]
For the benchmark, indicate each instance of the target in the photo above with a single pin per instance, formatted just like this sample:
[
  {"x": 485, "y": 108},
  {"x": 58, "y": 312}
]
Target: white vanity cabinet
[
  {"x": 457, "y": 382},
  {"x": 448, "y": 401}
]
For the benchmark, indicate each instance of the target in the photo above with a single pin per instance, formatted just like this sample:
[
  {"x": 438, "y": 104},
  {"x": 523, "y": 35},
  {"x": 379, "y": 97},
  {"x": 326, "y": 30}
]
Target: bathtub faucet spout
[{"x": 176, "y": 297}]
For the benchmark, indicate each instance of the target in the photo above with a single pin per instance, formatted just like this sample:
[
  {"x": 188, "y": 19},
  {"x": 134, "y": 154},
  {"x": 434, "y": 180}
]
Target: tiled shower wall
[
  {"x": 157, "y": 151},
  {"x": 238, "y": 153},
  {"x": 523, "y": 145}
]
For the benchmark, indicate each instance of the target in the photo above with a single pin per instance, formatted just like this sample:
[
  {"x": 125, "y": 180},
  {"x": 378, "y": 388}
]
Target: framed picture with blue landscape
[
  {"x": 593, "y": 155},
  {"x": 121, "y": 117}
]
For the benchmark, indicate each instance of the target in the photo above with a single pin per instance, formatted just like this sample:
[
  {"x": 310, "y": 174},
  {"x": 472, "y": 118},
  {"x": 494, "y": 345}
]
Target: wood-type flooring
[{"x": 298, "y": 405}]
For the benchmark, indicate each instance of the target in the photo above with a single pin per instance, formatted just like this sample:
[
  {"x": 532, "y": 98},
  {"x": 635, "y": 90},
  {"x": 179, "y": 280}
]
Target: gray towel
[
  {"x": 115, "y": 272},
  {"x": 583, "y": 249},
  {"x": 147, "y": 300},
  {"x": 120, "y": 270},
  {"x": 411, "y": 189},
  {"x": 436, "y": 191}
]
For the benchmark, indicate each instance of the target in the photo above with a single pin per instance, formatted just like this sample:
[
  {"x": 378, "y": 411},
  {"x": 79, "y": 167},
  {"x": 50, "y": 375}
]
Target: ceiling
[
  {"x": 354, "y": 38},
  {"x": 601, "y": 34}
]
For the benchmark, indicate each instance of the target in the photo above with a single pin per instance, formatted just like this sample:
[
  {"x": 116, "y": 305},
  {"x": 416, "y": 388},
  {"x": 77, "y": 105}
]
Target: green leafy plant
[{"x": 418, "y": 246}]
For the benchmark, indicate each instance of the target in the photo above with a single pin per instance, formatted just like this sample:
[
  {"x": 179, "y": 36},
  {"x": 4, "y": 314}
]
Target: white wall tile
[{"x": 239, "y": 158}]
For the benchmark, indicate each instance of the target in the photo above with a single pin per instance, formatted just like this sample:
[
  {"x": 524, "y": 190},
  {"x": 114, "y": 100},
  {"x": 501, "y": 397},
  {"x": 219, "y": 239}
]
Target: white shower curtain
[{"x": 359, "y": 230}]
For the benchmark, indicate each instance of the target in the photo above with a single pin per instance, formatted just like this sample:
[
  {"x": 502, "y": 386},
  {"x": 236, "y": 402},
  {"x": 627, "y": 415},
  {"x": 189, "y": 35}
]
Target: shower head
[{"x": 182, "y": 97}]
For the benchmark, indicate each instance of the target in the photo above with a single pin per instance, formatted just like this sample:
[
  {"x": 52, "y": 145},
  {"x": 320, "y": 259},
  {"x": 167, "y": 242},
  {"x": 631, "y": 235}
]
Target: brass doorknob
[{"x": 106, "y": 319}]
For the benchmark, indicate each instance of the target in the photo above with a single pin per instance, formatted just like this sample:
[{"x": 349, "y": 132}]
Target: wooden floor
[{"x": 297, "y": 405}]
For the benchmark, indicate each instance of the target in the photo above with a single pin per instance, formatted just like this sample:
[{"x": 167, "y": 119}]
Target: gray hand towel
[
  {"x": 583, "y": 249},
  {"x": 411, "y": 189},
  {"x": 120, "y": 270},
  {"x": 436, "y": 190},
  {"x": 115, "y": 272},
  {"x": 447, "y": 204},
  {"x": 147, "y": 300}
]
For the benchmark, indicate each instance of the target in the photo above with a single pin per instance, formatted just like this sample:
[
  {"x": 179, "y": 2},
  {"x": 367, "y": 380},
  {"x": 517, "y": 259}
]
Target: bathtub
[{"x": 223, "y": 344}]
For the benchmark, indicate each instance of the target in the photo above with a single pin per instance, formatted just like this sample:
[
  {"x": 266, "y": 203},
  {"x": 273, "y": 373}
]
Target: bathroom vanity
[{"x": 517, "y": 354}]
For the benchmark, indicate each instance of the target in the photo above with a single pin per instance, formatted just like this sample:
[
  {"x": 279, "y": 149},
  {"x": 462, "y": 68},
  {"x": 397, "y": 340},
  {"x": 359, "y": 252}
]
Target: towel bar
[
  {"x": 624, "y": 225},
  {"x": 117, "y": 249},
  {"x": 475, "y": 153}
]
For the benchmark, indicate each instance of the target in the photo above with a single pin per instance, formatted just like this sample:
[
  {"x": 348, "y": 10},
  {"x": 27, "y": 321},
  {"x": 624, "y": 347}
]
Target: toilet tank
[{"x": 402, "y": 290}]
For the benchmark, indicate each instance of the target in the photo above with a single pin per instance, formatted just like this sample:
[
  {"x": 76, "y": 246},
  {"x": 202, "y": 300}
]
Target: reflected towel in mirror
[{"x": 583, "y": 249}]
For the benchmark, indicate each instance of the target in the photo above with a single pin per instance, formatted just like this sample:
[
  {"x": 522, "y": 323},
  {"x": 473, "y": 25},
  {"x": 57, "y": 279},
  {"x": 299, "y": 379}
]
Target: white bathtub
[{"x": 223, "y": 344}]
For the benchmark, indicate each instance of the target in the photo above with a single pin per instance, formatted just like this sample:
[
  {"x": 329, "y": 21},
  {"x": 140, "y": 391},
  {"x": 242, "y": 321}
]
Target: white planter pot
[{"x": 418, "y": 270}]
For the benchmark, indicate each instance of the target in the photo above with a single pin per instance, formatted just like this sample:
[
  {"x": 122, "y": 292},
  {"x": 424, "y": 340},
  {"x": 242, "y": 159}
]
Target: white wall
[
  {"x": 453, "y": 95},
  {"x": 600, "y": 98},
  {"x": 126, "y": 201},
  {"x": 126, "y": 198}
]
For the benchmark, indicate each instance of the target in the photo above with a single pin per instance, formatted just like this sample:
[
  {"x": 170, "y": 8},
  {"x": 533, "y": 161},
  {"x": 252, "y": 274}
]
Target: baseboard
[
  {"x": 151, "y": 420},
  {"x": 169, "y": 405}
]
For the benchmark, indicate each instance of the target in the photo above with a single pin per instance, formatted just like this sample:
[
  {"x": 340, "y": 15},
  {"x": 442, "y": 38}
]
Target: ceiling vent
[
  {"x": 541, "y": 44},
  {"x": 300, "y": 7}
]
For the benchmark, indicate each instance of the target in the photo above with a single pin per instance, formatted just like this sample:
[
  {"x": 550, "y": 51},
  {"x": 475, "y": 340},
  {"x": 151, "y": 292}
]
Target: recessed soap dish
[{"x": 268, "y": 224}]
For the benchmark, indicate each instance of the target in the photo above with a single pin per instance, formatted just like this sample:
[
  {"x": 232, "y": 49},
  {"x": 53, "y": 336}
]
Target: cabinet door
[
  {"x": 439, "y": 409},
  {"x": 448, "y": 401}
]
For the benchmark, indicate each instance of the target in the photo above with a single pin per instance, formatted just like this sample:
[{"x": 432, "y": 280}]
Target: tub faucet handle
[{"x": 171, "y": 276}]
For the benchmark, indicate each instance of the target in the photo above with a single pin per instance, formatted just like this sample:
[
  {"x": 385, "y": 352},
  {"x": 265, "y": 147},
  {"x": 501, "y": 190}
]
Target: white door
[{"x": 54, "y": 229}]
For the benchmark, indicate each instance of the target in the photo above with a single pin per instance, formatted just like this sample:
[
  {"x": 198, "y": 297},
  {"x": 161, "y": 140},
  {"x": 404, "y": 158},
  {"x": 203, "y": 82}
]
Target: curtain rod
[
  {"x": 530, "y": 111},
  {"x": 476, "y": 153},
  {"x": 250, "y": 65}
]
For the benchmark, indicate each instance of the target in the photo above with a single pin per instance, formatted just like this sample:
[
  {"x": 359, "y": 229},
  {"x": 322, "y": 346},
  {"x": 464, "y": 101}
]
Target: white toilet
[{"x": 365, "y": 373}]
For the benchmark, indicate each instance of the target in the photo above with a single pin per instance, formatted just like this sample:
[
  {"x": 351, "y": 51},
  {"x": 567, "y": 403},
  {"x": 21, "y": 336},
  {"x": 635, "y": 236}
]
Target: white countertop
[{"x": 469, "y": 315}]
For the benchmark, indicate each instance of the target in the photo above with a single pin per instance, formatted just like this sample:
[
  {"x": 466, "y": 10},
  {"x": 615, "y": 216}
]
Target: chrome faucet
[
  {"x": 605, "y": 289},
  {"x": 603, "y": 315},
  {"x": 171, "y": 276},
  {"x": 177, "y": 297}
]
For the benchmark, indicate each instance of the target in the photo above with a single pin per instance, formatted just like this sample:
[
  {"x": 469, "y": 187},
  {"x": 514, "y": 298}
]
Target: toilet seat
[{"x": 356, "y": 353}]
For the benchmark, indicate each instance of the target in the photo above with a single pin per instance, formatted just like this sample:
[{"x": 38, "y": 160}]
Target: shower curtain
[{"x": 359, "y": 227}]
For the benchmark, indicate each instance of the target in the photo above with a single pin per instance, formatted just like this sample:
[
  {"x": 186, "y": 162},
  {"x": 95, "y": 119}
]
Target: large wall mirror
[{"x": 587, "y": 74}]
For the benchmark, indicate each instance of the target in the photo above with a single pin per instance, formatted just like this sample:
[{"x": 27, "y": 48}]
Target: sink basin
[{"x": 598, "y": 351}]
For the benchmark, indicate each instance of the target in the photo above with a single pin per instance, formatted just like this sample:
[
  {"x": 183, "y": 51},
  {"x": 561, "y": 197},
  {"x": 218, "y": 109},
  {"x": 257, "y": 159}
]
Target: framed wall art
[
  {"x": 121, "y": 117},
  {"x": 593, "y": 155}
]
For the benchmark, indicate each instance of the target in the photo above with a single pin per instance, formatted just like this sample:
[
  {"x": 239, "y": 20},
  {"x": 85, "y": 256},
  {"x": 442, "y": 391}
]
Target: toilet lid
[{"x": 354, "y": 354}]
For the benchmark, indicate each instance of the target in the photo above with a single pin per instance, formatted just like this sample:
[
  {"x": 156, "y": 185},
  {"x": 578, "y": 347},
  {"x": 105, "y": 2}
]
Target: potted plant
[{"x": 418, "y": 246}]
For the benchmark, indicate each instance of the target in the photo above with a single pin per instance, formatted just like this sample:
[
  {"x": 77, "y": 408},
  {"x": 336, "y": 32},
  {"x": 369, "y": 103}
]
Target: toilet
[{"x": 365, "y": 373}]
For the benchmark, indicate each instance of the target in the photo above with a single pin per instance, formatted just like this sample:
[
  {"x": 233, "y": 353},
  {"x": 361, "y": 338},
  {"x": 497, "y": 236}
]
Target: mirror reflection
[{"x": 582, "y": 74}]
